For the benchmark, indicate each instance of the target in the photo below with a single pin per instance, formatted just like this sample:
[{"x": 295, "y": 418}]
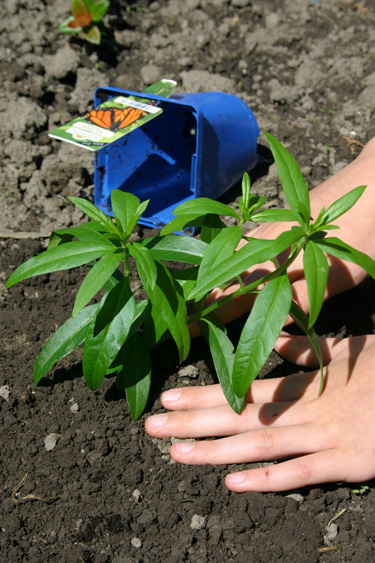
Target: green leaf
[
  {"x": 97, "y": 8},
  {"x": 315, "y": 265},
  {"x": 341, "y": 205},
  {"x": 301, "y": 320},
  {"x": 169, "y": 304},
  {"x": 93, "y": 35},
  {"x": 220, "y": 249},
  {"x": 255, "y": 202},
  {"x": 153, "y": 329},
  {"x": 293, "y": 184},
  {"x": 107, "y": 333},
  {"x": 186, "y": 279},
  {"x": 95, "y": 213},
  {"x": 339, "y": 249},
  {"x": 79, "y": 8},
  {"x": 113, "y": 280},
  {"x": 246, "y": 191},
  {"x": 211, "y": 227},
  {"x": 255, "y": 252},
  {"x": 192, "y": 213},
  {"x": 222, "y": 351},
  {"x": 260, "y": 332},
  {"x": 181, "y": 222},
  {"x": 87, "y": 231},
  {"x": 142, "y": 309},
  {"x": 145, "y": 264},
  {"x": 63, "y": 257},
  {"x": 135, "y": 375},
  {"x": 203, "y": 206},
  {"x": 124, "y": 207},
  {"x": 96, "y": 278},
  {"x": 324, "y": 227},
  {"x": 64, "y": 26},
  {"x": 66, "y": 339},
  {"x": 273, "y": 215},
  {"x": 176, "y": 248}
]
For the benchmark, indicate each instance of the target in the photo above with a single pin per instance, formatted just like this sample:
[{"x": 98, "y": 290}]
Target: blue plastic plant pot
[{"x": 200, "y": 146}]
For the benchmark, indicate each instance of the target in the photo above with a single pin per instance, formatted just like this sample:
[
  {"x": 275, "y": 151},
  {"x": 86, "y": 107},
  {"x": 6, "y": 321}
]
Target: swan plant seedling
[
  {"x": 86, "y": 19},
  {"x": 120, "y": 332}
]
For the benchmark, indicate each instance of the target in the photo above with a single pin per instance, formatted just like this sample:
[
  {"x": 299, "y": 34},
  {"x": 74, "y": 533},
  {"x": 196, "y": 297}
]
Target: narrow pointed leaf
[
  {"x": 181, "y": 222},
  {"x": 97, "y": 8},
  {"x": 222, "y": 351},
  {"x": 315, "y": 265},
  {"x": 342, "y": 205},
  {"x": 169, "y": 304},
  {"x": 66, "y": 339},
  {"x": 176, "y": 248},
  {"x": 124, "y": 206},
  {"x": 292, "y": 181},
  {"x": 246, "y": 190},
  {"x": 339, "y": 249},
  {"x": 107, "y": 333},
  {"x": 93, "y": 35},
  {"x": 255, "y": 252},
  {"x": 302, "y": 321},
  {"x": 211, "y": 227},
  {"x": 63, "y": 257},
  {"x": 153, "y": 329},
  {"x": 139, "y": 212},
  {"x": 255, "y": 202},
  {"x": 69, "y": 25},
  {"x": 186, "y": 279},
  {"x": 260, "y": 332},
  {"x": 142, "y": 310},
  {"x": 87, "y": 231},
  {"x": 221, "y": 248},
  {"x": 204, "y": 205},
  {"x": 95, "y": 214},
  {"x": 273, "y": 215},
  {"x": 145, "y": 264},
  {"x": 96, "y": 278},
  {"x": 135, "y": 375},
  {"x": 113, "y": 280}
]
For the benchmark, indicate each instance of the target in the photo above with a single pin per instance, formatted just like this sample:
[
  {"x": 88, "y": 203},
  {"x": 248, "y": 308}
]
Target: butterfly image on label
[{"x": 114, "y": 119}]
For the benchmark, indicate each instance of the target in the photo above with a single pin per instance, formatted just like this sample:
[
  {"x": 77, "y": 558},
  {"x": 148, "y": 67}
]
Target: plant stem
[{"x": 126, "y": 263}]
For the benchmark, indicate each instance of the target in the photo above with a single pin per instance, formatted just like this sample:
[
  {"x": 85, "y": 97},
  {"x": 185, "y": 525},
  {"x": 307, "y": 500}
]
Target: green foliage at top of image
[
  {"x": 86, "y": 19},
  {"x": 120, "y": 332}
]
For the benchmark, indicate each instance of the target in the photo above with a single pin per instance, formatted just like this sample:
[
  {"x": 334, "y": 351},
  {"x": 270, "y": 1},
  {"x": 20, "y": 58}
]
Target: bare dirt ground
[{"x": 107, "y": 492}]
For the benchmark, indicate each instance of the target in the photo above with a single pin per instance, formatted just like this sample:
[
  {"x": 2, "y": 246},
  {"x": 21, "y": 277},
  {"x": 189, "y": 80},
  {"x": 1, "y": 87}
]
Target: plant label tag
[{"x": 114, "y": 118}]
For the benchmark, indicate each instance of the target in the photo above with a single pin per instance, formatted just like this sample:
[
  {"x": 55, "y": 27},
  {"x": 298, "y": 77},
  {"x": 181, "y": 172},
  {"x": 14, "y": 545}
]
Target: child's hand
[{"x": 329, "y": 438}]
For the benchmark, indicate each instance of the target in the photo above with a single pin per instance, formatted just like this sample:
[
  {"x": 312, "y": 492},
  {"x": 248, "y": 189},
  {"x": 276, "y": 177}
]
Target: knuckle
[
  {"x": 264, "y": 440},
  {"x": 304, "y": 469}
]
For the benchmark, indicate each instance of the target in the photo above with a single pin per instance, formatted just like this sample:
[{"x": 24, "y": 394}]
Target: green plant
[
  {"x": 119, "y": 333},
  {"x": 86, "y": 19},
  {"x": 361, "y": 490}
]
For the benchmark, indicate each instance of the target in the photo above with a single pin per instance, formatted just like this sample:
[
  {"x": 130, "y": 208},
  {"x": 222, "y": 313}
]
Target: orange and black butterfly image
[{"x": 113, "y": 118}]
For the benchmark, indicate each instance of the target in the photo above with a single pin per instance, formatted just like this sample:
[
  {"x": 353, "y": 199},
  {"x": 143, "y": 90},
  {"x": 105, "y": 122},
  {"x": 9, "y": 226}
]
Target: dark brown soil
[{"x": 107, "y": 492}]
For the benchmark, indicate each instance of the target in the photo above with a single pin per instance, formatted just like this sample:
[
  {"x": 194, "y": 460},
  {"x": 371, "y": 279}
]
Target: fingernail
[
  {"x": 171, "y": 396},
  {"x": 157, "y": 420},
  {"x": 184, "y": 447},
  {"x": 236, "y": 478}
]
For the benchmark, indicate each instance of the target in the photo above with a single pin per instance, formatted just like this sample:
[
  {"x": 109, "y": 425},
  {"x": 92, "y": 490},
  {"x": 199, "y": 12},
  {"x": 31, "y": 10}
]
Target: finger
[
  {"x": 223, "y": 421},
  {"x": 321, "y": 467},
  {"x": 281, "y": 389},
  {"x": 298, "y": 349},
  {"x": 258, "y": 445}
]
